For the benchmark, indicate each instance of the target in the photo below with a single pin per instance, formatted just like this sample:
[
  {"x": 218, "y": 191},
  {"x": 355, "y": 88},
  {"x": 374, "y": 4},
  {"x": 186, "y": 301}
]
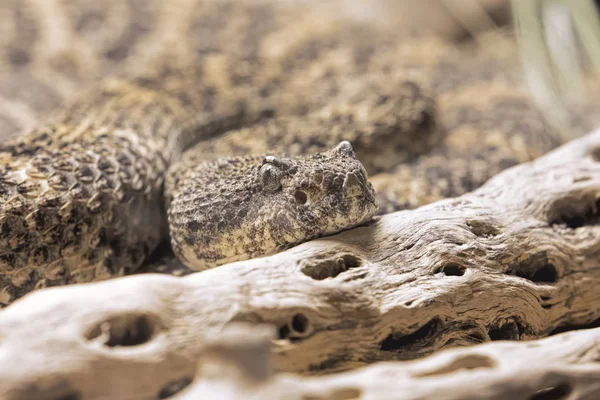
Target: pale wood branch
[
  {"x": 566, "y": 366},
  {"x": 516, "y": 259}
]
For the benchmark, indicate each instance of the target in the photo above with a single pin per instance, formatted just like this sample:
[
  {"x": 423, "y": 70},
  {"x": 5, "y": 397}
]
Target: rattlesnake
[{"x": 279, "y": 87}]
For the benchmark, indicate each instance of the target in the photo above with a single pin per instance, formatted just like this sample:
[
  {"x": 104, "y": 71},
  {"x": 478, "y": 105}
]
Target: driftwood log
[
  {"x": 517, "y": 259},
  {"x": 567, "y": 366}
]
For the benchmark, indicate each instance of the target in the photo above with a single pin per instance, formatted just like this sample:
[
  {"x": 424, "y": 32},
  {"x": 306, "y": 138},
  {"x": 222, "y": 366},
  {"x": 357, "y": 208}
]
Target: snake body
[{"x": 238, "y": 133}]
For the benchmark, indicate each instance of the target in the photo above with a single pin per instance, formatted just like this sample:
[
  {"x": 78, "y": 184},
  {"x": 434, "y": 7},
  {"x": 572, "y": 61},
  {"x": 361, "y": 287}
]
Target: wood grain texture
[
  {"x": 561, "y": 367},
  {"x": 516, "y": 259}
]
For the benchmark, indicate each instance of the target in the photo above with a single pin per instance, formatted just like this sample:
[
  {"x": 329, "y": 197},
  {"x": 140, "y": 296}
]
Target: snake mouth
[
  {"x": 368, "y": 196},
  {"x": 374, "y": 202}
]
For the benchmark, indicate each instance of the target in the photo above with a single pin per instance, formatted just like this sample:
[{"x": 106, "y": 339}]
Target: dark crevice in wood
[
  {"x": 573, "y": 214},
  {"x": 482, "y": 228},
  {"x": 397, "y": 341},
  {"x": 174, "y": 387},
  {"x": 452, "y": 269},
  {"x": 566, "y": 328},
  {"x": 124, "y": 330},
  {"x": 558, "y": 392},
  {"x": 297, "y": 329},
  {"x": 299, "y": 323},
  {"x": 331, "y": 267},
  {"x": 536, "y": 268},
  {"x": 510, "y": 330}
]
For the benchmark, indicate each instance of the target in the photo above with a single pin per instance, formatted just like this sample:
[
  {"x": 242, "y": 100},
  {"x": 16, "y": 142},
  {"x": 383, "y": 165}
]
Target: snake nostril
[{"x": 300, "y": 197}]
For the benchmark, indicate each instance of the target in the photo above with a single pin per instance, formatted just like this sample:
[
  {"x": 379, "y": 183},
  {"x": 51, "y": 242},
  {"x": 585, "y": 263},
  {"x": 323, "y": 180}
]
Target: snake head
[
  {"x": 251, "y": 206},
  {"x": 315, "y": 195}
]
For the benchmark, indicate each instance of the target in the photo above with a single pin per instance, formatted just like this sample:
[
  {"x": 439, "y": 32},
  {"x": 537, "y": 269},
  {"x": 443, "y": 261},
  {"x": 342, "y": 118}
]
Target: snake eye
[{"x": 270, "y": 177}]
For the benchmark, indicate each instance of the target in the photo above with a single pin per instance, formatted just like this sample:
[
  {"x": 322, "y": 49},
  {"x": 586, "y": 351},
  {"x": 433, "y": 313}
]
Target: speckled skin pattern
[
  {"x": 243, "y": 207},
  {"x": 110, "y": 94}
]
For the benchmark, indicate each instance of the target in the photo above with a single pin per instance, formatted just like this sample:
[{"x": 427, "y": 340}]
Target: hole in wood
[
  {"x": 558, "y": 392},
  {"x": 298, "y": 328},
  {"x": 396, "y": 341},
  {"x": 561, "y": 329},
  {"x": 546, "y": 302},
  {"x": 284, "y": 332},
  {"x": 482, "y": 228},
  {"x": 595, "y": 153},
  {"x": 546, "y": 274},
  {"x": 537, "y": 269},
  {"x": 507, "y": 331},
  {"x": 452, "y": 269},
  {"x": 299, "y": 323},
  {"x": 173, "y": 387},
  {"x": 123, "y": 330},
  {"x": 575, "y": 213},
  {"x": 331, "y": 267}
]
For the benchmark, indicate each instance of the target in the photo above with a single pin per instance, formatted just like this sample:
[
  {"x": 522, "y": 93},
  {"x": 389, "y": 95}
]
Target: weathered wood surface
[
  {"x": 516, "y": 259},
  {"x": 567, "y": 366}
]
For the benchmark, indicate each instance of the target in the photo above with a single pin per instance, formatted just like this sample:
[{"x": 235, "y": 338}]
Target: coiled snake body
[{"x": 279, "y": 103}]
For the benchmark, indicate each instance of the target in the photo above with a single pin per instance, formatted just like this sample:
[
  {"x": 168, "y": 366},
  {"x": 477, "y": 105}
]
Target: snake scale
[{"x": 234, "y": 128}]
